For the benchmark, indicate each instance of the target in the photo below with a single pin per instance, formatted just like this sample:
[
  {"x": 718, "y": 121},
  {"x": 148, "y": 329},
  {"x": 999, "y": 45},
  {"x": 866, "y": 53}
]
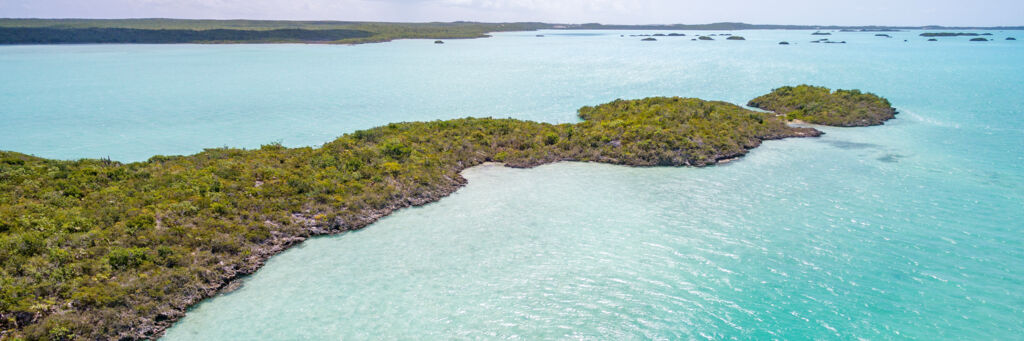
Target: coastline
[{"x": 191, "y": 226}]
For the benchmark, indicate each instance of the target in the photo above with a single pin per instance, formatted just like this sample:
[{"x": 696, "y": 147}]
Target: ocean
[{"x": 907, "y": 230}]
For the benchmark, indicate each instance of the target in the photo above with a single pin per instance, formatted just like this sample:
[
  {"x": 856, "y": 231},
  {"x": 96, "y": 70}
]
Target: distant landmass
[{"x": 170, "y": 31}]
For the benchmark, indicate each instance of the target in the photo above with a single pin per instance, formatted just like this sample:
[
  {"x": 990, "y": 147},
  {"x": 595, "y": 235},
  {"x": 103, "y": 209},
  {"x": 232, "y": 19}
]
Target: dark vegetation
[
  {"x": 735, "y": 38},
  {"x": 705, "y": 38},
  {"x": 97, "y": 249},
  {"x": 820, "y": 105},
  {"x": 49, "y": 35},
  {"x": 52, "y": 31},
  {"x": 979, "y": 39}
]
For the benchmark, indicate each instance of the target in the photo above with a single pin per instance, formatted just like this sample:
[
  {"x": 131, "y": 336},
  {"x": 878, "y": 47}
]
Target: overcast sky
[{"x": 810, "y": 12}]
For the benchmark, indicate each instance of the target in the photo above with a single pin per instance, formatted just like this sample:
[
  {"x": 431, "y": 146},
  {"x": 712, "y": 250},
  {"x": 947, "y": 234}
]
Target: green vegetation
[
  {"x": 96, "y": 249},
  {"x": 47, "y": 35},
  {"x": 62, "y": 31},
  {"x": 735, "y": 38},
  {"x": 820, "y": 105}
]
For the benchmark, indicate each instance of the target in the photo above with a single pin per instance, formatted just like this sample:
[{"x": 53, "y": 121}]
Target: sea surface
[{"x": 911, "y": 230}]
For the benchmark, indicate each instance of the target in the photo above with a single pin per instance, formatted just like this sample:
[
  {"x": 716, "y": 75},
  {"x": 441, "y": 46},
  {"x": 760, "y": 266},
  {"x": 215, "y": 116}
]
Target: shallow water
[{"x": 908, "y": 230}]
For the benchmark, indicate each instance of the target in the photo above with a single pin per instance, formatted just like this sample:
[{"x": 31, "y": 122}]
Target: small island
[
  {"x": 125, "y": 249},
  {"x": 649, "y": 39},
  {"x": 979, "y": 39},
  {"x": 783, "y": 43},
  {"x": 820, "y": 105},
  {"x": 883, "y": 35},
  {"x": 735, "y": 38},
  {"x": 705, "y": 38},
  {"x": 1011, "y": 38}
]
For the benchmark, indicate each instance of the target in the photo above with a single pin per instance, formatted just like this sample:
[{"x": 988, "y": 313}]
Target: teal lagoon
[{"x": 908, "y": 230}]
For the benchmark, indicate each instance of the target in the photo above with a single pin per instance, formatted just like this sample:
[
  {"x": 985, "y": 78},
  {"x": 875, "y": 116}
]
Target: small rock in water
[
  {"x": 705, "y": 38},
  {"x": 783, "y": 43},
  {"x": 648, "y": 39},
  {"x": 1011, "y": 38},
  {"x": 979, "y": 39},
  {"x": 438, "y": 42},
  {"x": 735, "y": 38},
  {"x": 933, "y": 39}
]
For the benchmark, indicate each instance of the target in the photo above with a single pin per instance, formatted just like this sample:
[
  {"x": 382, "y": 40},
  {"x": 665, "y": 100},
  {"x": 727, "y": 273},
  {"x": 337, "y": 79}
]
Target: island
[
  {"x": 979, "y": 39},
  {"x": 820, "y": 105},
  {"x": 705, "y": 38},
  {"x": 98, "y": 249},
  {"x": 735, "y": 38}
]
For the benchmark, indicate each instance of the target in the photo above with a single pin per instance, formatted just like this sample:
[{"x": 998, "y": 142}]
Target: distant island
[
  {"x": 174, "y": 31},
  {"x": 98, "y": 249}
]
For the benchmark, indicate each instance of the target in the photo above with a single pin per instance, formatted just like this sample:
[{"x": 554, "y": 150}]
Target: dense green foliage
[
  {"x": 49, "y": 35},
  {"x": 49, "y": 31},
  {"x": 820, "y": 105},
  {"x": 96, "y": 249}
]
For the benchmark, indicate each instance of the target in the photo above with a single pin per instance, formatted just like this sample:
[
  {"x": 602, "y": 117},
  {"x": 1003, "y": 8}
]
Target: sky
[{"x": 797, "y": 12}]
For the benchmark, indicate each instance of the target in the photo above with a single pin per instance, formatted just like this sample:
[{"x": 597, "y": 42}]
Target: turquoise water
[{"x": 908, "y": 230}]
